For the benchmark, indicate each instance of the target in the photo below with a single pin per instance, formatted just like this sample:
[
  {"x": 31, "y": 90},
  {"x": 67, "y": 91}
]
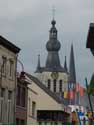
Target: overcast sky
[{"x": 26, "y": 23}]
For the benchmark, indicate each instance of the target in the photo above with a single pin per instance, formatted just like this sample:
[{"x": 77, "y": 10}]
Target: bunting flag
[
  {"x": 71, "y": 94},
  {"x": 71, "y": 88},
  {"x": 66, "y": 95},
  {"x": 81, "y": 91}
]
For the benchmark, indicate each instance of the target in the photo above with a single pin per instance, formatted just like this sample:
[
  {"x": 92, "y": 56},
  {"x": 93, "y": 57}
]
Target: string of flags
[{"x": 72, "y": 89}]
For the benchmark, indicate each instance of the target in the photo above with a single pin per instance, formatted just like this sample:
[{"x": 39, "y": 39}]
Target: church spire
[
  {"x": 72, "y": 66},
  {"x": 53, "y": 12},
  {"x": 65, "y": 65},
  {"x": 38, "y": 65}
]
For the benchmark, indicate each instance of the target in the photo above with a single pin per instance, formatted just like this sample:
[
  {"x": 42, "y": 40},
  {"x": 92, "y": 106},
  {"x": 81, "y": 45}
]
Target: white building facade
[{"x": 8, "y": 67}]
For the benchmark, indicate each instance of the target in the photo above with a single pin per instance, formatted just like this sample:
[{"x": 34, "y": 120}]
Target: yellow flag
[{"x": 65, "y": 94}]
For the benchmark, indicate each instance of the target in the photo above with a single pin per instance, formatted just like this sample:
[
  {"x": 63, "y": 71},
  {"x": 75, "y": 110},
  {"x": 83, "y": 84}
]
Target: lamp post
[{"x": 21, "y": 76}]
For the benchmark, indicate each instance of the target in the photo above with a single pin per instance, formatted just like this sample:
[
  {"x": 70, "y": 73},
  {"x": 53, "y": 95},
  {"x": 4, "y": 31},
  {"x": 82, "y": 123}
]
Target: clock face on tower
[{"x": 54, "y": 75}]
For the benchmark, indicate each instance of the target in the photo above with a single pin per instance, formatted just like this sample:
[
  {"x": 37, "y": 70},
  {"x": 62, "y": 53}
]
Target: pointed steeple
[
  {"x": 38, "y": 65},
  {"x": 72, "y": 72},
  {"x": 65, "y": 65}
]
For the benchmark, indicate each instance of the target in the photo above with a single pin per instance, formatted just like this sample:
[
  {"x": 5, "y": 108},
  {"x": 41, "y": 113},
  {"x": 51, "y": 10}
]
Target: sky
[{"x": 26, "y": 23}]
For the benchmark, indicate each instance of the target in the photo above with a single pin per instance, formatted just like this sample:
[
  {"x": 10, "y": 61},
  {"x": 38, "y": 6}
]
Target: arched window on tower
[
  {"x": 60, "y": 85},
  {"x": 49, "y": 84},
  {"x": 54, "y": 85}
]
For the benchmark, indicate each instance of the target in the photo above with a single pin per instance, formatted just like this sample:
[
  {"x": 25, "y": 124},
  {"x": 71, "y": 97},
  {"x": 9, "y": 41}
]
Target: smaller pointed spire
[
  {"x": 72, "y": 66},
  {"x": 38, "y": 65},
  {"x": 65, "y": 64}
]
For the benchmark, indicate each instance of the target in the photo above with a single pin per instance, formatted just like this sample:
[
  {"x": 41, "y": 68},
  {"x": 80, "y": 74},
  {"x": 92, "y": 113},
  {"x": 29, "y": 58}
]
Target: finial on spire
[
  {"x": 53, "y": 12},
  {"x": 53, "y": 22}
]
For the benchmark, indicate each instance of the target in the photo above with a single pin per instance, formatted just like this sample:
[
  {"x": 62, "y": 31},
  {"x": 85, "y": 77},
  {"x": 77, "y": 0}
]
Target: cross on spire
[{"x": 53, "y": 12}]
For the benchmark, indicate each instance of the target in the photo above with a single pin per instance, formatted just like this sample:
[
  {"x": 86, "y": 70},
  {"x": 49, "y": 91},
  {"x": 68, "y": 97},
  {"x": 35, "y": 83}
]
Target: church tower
[
  {"x": 53, "y": 46},
  {"x": 53, "y": 75}
]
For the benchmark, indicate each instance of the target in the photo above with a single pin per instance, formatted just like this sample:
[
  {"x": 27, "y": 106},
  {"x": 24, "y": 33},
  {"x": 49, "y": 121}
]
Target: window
[
  {"x": 29, "y": 106},
  {"x": 51, "y": 123},
  {"x": 18, "y": 95},
  {"x": 40, "y": 123},
  {"x": 60, "y": 86},
  {"x": 45, "y": 123},
  {"x": 55, "y": 123},
  {"x": 22, "y": 122},
  {"x": 1, "y": 103},
  {"x": 9, "y": 106},
  {"x": 49, "y": 83},
  {"x": 11, "y": 68},
  {"x": 17, "y": 121},
  {"x": 54, "y": 86},
  {"x": 2, "y": 92},
  {"x": 23, "y": 97},
  {"x": 33, "y": 108},
  {"x": 9, "y": 95},
  {"x": 4, "y": 59}
]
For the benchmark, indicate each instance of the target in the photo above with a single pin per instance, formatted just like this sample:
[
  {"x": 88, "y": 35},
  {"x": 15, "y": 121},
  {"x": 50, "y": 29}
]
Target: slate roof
[
  {"x": 44, "y": 88},
  {"x": 7, "y": 44},
  {"x": 55, "y": 69}
]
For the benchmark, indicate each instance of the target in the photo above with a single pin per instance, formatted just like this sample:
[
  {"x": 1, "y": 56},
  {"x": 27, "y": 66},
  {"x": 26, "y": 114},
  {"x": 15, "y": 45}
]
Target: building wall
[
  {"x": 48, "y": 75},
  {"x": 7, "y": 85},
  {"x": 43, "y": 102},
  {"x": 32, "y": 97},
  {"x": 21, "y": 103}
]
